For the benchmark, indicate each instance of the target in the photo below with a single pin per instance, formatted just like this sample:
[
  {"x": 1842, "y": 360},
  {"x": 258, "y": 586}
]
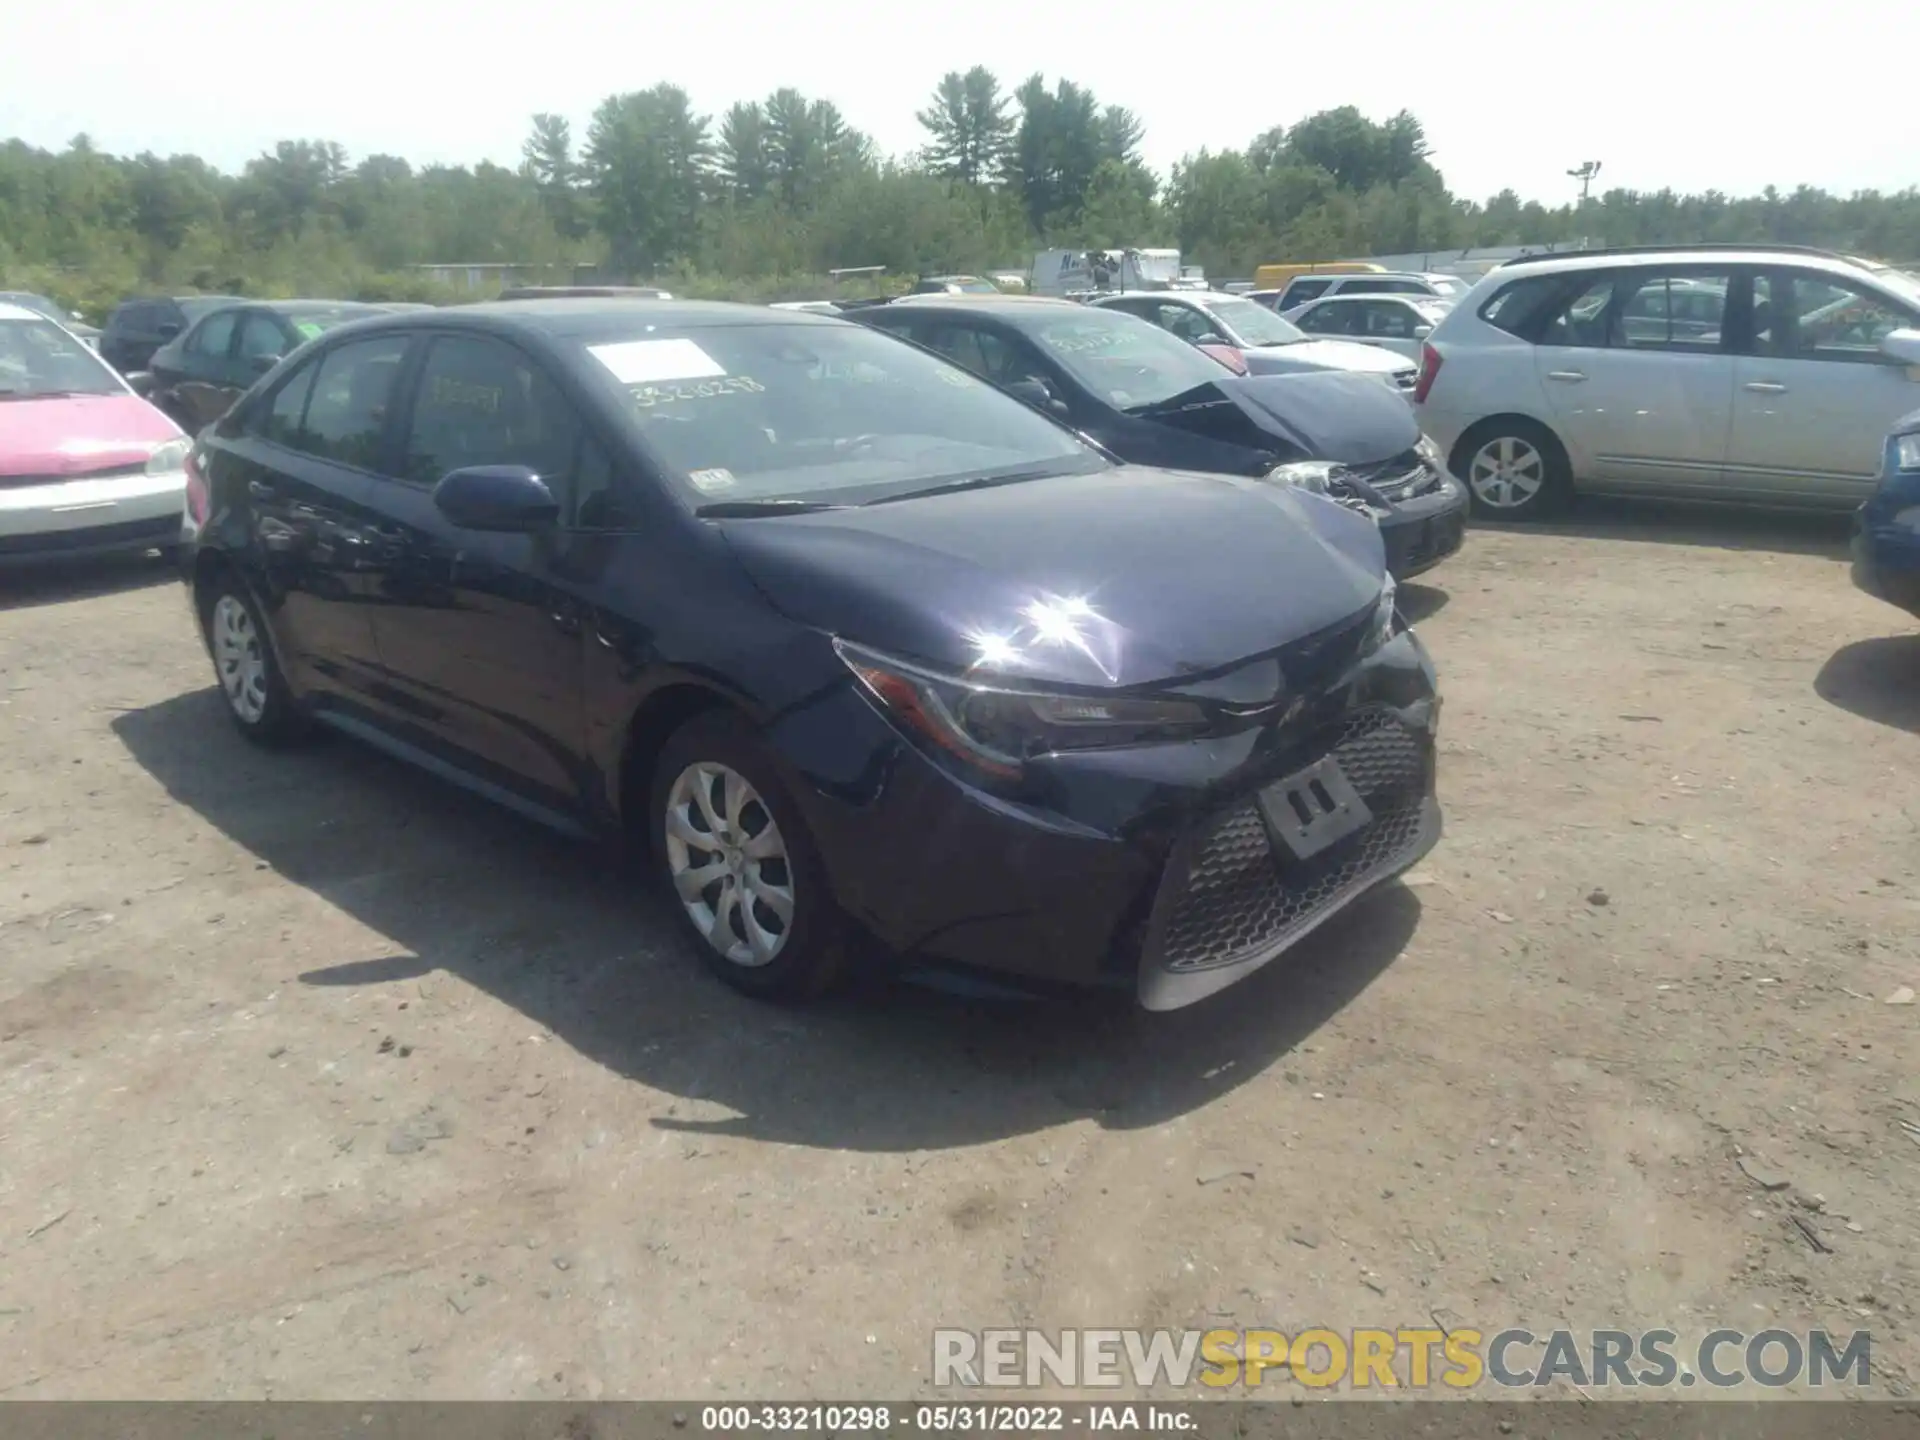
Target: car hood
[
  {"x": 1321, "y": 414},
  {"x": 1323, "y": 355},
  {"x": 79, "y": 435},
  {"x": 1130, "y": 576}
]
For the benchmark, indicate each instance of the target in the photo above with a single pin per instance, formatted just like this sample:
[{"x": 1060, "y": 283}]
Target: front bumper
[
  {"x": 1137, "y": 868},
  {"x": 1423, "y": 531},
  {"x": 91, "y": 515},
  {"x": 1886, "y": 560}
]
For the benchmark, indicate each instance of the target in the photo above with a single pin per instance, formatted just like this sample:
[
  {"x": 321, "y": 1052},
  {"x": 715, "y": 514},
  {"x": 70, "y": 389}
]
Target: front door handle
[
  {"x": 1572, "y": 377},
  {"x": 1766, "y": 387},
  {"x": 261, "y": 490},
  {"x": 567, "y": 622}
]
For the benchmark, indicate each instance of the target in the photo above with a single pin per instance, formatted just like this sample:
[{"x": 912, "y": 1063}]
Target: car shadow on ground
[
  {"x": 1418, "y": 601},
  {"x": 565, "y": 934},
  {"x": 1705, "y": 526},
  {"x": 53, "y": 582},
  {"x": 1876, "y": 679}
]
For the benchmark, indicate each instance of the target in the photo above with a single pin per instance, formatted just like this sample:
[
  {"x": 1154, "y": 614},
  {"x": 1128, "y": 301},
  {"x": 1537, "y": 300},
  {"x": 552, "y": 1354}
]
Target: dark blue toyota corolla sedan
[{"x": 849, "y": 636}]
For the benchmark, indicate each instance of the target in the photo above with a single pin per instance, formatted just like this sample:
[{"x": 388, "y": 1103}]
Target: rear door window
[
  {"x": 213, "y": 338},
  {"x": 261, "y": 336}
]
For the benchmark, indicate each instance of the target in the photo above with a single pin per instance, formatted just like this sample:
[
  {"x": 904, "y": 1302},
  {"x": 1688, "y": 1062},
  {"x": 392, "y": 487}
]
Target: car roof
[
  {"x": 590, "y": 317},
  {"x": 18, "y": 312},
  {"x": 1004, "y": 307},
  {"x": 1638, "y": 258}
]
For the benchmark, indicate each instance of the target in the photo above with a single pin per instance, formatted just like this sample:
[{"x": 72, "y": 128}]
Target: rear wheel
[
  {"x": 746, "y": 878},
  {"x": 256, "y": 692},
  {"x": 1514, "y": 470}
]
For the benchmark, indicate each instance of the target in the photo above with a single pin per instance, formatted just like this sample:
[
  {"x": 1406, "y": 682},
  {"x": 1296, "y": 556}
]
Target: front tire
[
  {"x": 1514, "y": 469},
  {"x": 258, "y": 699},
  {"x": 745, "y": 875}
]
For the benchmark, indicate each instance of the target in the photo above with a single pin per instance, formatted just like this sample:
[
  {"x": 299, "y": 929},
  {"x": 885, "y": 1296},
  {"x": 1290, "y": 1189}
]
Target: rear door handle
[
  {"x": 1570, "y": 376},
  {"x": 567, "y": 622},
  {"x": 1766, "y": 387}
]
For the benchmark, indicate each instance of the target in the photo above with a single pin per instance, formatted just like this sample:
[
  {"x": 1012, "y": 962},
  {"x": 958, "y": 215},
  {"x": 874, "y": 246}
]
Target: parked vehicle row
[{"x": 855, "y": 641}]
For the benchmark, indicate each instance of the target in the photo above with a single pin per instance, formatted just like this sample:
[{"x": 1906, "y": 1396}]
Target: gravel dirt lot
[{"x": 319, "y": 1079}]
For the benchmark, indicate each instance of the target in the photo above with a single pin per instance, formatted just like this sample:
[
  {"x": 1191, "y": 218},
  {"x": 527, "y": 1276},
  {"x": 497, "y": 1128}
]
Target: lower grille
[
  {"x": 1228, "y": 898},
  {"x": 162, "y": 530}
]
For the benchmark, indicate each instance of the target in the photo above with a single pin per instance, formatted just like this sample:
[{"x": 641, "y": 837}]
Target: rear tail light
[
  {"x": 199, "y": 499},
  {"x": 1430, "y": 363}
]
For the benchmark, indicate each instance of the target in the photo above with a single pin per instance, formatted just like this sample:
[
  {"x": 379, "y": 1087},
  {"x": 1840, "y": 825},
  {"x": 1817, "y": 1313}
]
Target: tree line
[{"x": 762, "y": 200}]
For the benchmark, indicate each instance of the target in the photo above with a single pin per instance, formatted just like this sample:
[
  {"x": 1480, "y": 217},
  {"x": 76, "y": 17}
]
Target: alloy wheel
[
  {"x": 1507, "y": 472},
  {"x": 729, "y": 864},
  {"x": 237, "y": 656}
]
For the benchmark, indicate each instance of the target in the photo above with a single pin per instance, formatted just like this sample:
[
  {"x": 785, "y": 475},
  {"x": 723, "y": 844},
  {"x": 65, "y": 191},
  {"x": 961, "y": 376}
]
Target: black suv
[{"x": 137, "y": 328}]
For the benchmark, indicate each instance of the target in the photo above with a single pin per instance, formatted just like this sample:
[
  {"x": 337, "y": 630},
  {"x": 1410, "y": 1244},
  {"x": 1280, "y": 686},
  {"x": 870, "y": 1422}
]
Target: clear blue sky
[{"x": 1512, "y": 95}]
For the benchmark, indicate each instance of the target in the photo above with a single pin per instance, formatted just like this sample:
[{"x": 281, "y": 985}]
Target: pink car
[{"x": 86, "y": 465}]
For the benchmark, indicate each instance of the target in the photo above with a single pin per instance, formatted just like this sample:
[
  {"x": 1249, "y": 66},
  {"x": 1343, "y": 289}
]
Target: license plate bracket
[{"x": 1312, "y": 809}]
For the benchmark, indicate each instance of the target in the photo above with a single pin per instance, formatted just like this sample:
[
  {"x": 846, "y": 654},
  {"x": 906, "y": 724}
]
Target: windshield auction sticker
[{"x": 647, "y": 362}]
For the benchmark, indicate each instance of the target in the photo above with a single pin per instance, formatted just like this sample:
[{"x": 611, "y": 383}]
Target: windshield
[
  {"x": 1450, "y": 286},
  {"x": 1901, "y": 283},
  {"x": 1255, "y": 324},
  {"x": 974, "y": 285},
  {"x": 311, "y": 320},
  {"x": 833, "y": 414},
  {"x": 1128, "y": 362},
  {"x": 38, "y": 358},
  {"x": 38, "y": 303}
]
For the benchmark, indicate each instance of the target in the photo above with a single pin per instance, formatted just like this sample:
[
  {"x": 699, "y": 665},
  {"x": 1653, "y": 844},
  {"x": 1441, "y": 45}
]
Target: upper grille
[{"x": 1235, "y": 899}]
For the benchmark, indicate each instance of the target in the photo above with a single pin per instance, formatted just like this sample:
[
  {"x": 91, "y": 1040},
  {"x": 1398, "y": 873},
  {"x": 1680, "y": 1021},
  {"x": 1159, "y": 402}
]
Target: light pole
[{"x": 1584, "y": 173}]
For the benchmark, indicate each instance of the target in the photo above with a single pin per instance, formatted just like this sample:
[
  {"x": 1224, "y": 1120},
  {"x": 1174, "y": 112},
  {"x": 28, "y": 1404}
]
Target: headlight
[
  {"x": 1906, "y": 452},
  {"x": 1430, "y": 452},
  {"x": 996, "y": 727},
  {"x": 168, "y": 458},
  {"x": 1314, "y": 475},
  {"x": 1385, "y": 625}
]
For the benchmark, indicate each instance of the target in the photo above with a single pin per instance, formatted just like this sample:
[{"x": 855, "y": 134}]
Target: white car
[
  {"x": 86, "y": 465},
  {"x": 1316, "y": 284},
  {"x": 1267, "y": 343},
  {"x": 1760, "y": 374},
  {"x": 1396, "y": 323}
]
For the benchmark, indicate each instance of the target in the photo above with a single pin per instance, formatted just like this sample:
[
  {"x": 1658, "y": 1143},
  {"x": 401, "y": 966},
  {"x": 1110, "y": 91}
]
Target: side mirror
[
  {"x": 1420, "y": 332},
  {"x": 140, "y": 382},
  {"x": 507, "y": 498},
  {"x": 1032, "y": 392},
  {"x": 1901, "y": 346},
  {"x": 167, "y": 329},
  {"x": 261, "y": 364},
  {"x": 1210, "y": 338}
]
